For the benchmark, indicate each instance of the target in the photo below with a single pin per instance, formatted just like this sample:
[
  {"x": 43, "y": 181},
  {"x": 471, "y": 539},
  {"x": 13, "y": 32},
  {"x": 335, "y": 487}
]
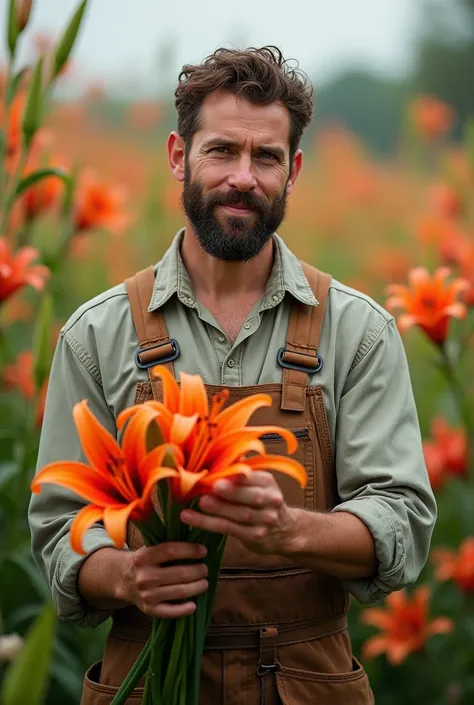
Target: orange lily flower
[
  {"x": 16, "y": 270},
  {"x": 43, "y": 195},
  {"x": 118, "y": 481},
  {"x": 210, "y": 443},
  {"x": 429, "y": 302},
  {"x": 456, "y": 566},
  {"x": 99, "y": 205},
  {"x": 19, "y": 375},
  {"x": 446, "y": 201},
  {"x": 431, "y": 116},
  {"x": 446, "y": 453},
  {"x": 404, "y": 625}
]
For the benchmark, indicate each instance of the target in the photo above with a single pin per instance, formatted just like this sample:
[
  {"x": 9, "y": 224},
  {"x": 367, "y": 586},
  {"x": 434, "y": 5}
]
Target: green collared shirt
[{"x": 365, "y": 381}]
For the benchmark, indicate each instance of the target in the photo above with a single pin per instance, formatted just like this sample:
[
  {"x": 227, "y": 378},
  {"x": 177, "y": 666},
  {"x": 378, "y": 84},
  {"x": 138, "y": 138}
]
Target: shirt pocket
[{"x": 297, "y": 686}]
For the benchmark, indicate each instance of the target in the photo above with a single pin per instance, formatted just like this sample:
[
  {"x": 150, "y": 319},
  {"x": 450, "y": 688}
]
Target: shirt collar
[{"x": 286, "y": 276}]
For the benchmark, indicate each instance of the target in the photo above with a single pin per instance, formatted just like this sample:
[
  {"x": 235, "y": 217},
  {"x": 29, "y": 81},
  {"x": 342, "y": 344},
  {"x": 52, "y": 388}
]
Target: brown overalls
[{"x": 278, "y": 632}]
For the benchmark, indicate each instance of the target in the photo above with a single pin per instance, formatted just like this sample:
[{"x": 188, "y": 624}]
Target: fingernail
[
  {"x": 221, "y": 485},
  {"x": 202, "y": 551}
]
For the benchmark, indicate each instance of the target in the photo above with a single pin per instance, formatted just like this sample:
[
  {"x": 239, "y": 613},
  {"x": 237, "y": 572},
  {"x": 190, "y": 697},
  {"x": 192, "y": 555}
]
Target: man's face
[{"x": 237, "y": 174}]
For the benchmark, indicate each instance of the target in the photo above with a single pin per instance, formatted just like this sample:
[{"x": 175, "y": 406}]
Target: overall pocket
[
  {"x": 95, "y": 693},
  {"x": 298, "y": 687}
]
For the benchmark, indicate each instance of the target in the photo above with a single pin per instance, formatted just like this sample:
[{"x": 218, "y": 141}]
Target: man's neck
[{"x": 214, "y": 279}]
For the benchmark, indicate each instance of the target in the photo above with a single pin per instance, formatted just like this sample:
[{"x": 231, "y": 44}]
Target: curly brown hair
[{"x": 262, "y": 76}]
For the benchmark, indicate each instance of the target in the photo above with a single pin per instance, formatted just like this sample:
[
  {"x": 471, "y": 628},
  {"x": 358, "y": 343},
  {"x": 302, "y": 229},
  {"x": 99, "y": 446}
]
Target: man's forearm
[
  {"x": 102, "y": 578},
  {"x": 338, "y": 544}
]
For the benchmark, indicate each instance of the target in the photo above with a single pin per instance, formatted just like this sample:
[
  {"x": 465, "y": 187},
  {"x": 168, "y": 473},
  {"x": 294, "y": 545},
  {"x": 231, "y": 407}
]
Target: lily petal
[
  {"x": 171, "y": 394},
  {"x": 81, "y": 479},
  {"x": 193, "y": 399},
  {"x": 99, "y": 446},
  {"x": 288, "y": 466},
  {"x": 239, "y": 413},
  {"x": 84, "y": 520},
  {"x": 182, "y": 427},
  {"x": 116, "y": 520}
]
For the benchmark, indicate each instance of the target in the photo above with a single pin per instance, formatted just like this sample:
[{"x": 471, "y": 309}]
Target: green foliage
[{"x": 26, "y": 680}]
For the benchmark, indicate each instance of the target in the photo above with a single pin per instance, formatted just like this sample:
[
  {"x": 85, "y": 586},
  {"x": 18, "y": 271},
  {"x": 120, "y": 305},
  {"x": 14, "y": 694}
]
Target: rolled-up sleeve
[
  {"x": 73, "y": 377},
  {"x": 381, "y": 473}
]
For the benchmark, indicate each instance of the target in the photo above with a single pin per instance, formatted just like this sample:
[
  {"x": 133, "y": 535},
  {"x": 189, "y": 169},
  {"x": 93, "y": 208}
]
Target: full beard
[{"x": 235, "y": 238}]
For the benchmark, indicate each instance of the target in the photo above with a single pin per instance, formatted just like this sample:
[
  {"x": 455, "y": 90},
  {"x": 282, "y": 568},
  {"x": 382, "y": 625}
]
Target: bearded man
[{"x": 231, "y": 302}]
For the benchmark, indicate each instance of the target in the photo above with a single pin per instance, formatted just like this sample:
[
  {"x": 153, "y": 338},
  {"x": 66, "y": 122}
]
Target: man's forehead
[{"x": 228, "y": 116}]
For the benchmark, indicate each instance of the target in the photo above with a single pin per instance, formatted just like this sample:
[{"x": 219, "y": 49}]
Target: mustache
[{"x": 246, "y": 199}]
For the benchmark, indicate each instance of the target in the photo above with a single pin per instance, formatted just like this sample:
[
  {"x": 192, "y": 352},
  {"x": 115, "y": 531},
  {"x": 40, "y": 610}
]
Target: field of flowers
[{"x": 86, "y": 200}]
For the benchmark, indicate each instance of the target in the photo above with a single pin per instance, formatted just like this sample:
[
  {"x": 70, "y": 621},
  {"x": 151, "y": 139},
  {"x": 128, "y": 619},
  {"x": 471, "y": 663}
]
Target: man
[{"x": 231, "y": 302}]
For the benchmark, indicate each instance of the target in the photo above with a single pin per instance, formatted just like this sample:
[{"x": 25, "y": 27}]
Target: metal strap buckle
[
  {"x": 295, "y": 366},
  {"x": 158, "y": 361},
  {"x": 263, "y": 668}
]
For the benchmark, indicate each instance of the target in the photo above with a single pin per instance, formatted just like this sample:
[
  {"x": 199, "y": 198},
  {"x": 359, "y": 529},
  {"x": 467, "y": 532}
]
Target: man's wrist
[{"x": 294, "y": 541}]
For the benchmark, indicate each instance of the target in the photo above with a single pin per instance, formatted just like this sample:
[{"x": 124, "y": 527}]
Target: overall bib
[{"x": 278, "y": 632}]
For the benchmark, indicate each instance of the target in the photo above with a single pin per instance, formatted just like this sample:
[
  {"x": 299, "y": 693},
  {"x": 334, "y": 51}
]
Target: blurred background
[{"x": 387, "y": 185}]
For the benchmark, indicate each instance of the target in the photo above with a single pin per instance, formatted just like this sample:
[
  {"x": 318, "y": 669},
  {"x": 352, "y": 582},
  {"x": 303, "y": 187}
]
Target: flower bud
[
  {"x": 10, "y": 647},
  {"x": 23, "y": 11}
]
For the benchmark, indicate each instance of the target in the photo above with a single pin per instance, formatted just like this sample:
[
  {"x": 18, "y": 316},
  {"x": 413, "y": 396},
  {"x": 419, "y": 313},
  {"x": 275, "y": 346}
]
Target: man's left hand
[{"x": 251, "y": 509}]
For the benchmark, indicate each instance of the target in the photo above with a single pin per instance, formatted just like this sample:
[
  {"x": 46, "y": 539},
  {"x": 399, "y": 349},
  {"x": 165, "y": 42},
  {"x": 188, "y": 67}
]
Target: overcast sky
[{"x": 120, "y": 39}]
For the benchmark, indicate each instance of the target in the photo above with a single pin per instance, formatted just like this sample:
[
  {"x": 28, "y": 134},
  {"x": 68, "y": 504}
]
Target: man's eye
[
  {"x": 220, "y": 150},
  {"x": 267, "y": 155}
]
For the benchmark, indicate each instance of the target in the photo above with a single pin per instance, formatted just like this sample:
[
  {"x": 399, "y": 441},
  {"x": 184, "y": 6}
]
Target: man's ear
[
  {"x": 295, "y": 170},
  {"x": 176, "y": 155}
]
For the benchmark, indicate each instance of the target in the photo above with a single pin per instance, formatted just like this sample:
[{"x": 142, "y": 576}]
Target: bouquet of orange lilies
[{"x": 181, "y": 446}]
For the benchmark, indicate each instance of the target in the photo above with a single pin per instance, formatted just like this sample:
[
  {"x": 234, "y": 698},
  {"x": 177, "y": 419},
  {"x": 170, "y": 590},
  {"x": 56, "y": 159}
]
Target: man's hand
[
  {"x": 152, "y": 585},
  {"x": 251, "y": 509}
]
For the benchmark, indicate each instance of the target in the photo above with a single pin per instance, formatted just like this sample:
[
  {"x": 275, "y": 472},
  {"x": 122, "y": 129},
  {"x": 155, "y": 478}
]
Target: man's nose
[{"x": 242, "y": 176}]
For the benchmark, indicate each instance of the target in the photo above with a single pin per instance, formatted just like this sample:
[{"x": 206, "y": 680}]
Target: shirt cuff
[
  {"x": 389, "y": 549},
  {"x": 70, "y": 606}
]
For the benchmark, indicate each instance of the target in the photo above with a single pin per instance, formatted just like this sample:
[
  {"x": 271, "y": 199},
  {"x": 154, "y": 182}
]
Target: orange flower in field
[
  {"x": 210, "y": 443},
  {"x": 445, "y": 200},
  {"x": 118, "y": 481},
  {"x": 429, "y": 302},
  {"x": 99, "y": 205},
  {"x": 444, "y": 235},
  {"x": 14, "y": 136},
  {"x": 404, "y": 625},
  {"x": 16, "y": 270},
  {"x": 458, "y": 567},
  {"x": 431, "y": 116},
  {"x": 466, "y": 269},
  {"x": 446, "y": 453},
  {"x": 144, "y": 115},
  {"x": 19, "y": 375},
  {"x": 43, "y": 195}
]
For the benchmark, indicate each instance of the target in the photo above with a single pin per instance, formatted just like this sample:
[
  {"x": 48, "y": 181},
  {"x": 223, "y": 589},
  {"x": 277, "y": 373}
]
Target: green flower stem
[
  {"x": 464, "y": 410},
  {"x": 10, "y": 196}
]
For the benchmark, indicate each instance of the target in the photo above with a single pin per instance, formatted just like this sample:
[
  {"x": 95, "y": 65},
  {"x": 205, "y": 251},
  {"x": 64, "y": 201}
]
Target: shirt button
[
  {"x": 275, "y": 297},
  {"x": 247, "y": 326},
  {"x": 221, "y": 339},
  {"x": 230, "y": 363}
]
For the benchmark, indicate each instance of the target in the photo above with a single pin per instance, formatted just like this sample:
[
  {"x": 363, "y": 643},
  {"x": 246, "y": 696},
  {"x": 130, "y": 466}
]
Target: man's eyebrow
[{"x": 226, "y": 142}]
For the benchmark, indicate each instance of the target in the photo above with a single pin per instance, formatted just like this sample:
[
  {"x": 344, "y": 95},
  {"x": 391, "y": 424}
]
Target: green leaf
[
  {"x": 14, "y": 84},
  {"x": 27, "y": 678},
  {"x": 36, "y": 176},
  {"x": 33, "y": 110},
  {"x": 7, "y": 471},
  {"x": 469, "y": 139},
  {"x": 13, "y": 29},
  {"x": 66, "y": 43},
  {"x": 25, "y": 563},
  {"x": 42, "y": 341}
]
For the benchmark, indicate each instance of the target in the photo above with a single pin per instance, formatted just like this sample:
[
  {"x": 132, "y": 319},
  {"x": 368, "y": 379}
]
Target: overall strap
[
  {"x": 155, "y": 346},
  {"x": 299, "y": 357}
]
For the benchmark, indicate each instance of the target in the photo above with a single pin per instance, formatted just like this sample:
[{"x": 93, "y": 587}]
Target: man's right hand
[
  {"x": 154, "y": 587},
  {"x": 111, "y": 578}
]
